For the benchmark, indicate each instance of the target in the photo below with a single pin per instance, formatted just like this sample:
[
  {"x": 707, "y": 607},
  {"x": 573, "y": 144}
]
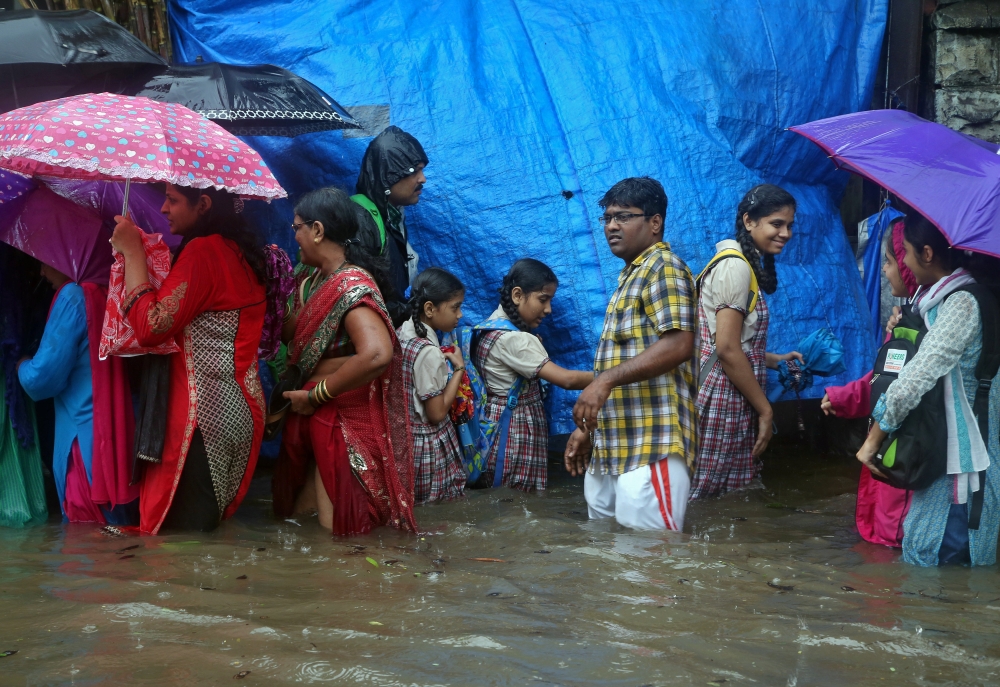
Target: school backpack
[
  {"x": 916, "y": 454},
  {"x": 478, "y": 434},
  {"x": 752, "y": 297}
]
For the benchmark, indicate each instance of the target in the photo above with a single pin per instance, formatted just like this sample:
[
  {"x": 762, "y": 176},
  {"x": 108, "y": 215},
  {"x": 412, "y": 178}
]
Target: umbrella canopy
[
  {"x": 66, "y": 223},
  {"x": 111, "y": 137},
  {"x": 58, "y": 232},
  {"x": 259, "y": 100},
  {"x": 14, "y": 190},
  {"x": 46, "y": 55},
  {"x": 106, "y": 199},
  {"x": 950, "y": 178}
]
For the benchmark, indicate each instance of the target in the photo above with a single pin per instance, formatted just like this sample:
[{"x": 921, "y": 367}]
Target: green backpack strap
[
  {"x": 363, "y": 200},
  {"x": 733, "y": 253}
]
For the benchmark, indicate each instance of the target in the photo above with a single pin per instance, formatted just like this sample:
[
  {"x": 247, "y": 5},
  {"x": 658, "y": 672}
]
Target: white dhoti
[{"x": 653, "y": 497}]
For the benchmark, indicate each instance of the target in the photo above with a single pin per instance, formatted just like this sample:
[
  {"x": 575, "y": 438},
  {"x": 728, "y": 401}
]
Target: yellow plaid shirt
[{"x": 647, "y": 421}]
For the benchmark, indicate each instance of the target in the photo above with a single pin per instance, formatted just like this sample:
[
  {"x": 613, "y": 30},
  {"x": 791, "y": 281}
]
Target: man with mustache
[
  {"x": 636, "y": 430},
  {"x": 391, "y": 177}
]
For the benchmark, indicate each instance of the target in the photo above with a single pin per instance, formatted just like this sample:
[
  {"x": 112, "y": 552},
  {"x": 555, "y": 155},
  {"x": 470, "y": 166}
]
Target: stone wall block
[
  {"x": 966, "y": 59},
  {"x": 968, "y": 15},
  {"x": 971, "y": 111}
]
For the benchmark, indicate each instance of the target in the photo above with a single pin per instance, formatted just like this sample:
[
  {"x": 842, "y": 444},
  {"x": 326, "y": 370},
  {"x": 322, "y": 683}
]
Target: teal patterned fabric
[
  {"x": 925, "y": 523},
  {"x": 22, "y": 492}
]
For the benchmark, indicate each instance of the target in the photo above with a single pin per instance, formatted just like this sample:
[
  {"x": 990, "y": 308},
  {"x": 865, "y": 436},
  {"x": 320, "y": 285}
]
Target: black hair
[
  {"x": 435, "y": 285},
  {"x": 532, "y": 276},
  {"x": 760, "y": 201},
  {"x": 920, "y": 232},
  {"x": 339, "y": 216},
  {"x": 223, "y": 219},
  {"x": 638, "y": 192}
]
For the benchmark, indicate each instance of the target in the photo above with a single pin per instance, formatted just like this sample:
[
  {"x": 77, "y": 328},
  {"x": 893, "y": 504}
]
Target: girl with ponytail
[
  {"x": 346, "y": 448},
  {"x": 735, "y": 418},
  {"x": 512, "y": 361},
  {"x": 435, "y": 305}
]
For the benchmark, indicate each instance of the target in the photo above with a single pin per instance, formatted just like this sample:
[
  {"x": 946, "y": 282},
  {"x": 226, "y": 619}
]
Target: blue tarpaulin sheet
[{"x": 530, "y": 109}]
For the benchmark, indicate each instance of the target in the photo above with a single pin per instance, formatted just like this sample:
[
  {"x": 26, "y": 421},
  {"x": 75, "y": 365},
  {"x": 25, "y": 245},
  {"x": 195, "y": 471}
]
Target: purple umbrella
[
  {"x": 14, "y": 191},
  {"x": 63, "y": 235},
  {"x": 106, "y": 198},
  {"x": 950, "y": 178},
  {"x": 66, "y": 224}
]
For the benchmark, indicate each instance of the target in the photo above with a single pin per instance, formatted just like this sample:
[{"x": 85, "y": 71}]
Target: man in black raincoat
[{"x": 391, "y": 177}]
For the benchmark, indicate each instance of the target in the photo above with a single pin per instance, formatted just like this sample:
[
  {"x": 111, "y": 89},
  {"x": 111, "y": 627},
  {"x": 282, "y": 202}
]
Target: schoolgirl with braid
[
  {"x": 734, "y": 416},
  {"x": 435, "y": 306},
  {"x": 511, "y": 358}
]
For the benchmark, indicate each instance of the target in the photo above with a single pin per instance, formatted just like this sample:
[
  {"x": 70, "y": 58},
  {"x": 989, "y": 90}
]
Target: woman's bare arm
[{"x": 373, "y": 353}]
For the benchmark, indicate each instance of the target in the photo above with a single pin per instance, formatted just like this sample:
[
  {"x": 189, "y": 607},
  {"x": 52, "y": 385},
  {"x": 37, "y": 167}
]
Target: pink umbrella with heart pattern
[{"x": 116, "y": 137}]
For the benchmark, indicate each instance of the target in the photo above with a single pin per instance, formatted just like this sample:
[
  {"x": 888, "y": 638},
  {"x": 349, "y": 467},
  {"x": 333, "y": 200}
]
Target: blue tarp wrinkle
[{"x": 530, "y": 109}]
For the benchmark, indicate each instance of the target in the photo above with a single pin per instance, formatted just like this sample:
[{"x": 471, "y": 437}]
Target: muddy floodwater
[{"x": 769, "y": 587}]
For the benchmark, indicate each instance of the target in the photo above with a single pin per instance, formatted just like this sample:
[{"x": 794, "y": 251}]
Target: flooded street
[{"x": 771, "y": 587}]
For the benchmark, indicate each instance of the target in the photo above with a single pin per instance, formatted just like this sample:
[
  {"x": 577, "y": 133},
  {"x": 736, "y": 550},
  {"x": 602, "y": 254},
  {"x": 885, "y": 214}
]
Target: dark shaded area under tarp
[{"x": 529, "y": 110}]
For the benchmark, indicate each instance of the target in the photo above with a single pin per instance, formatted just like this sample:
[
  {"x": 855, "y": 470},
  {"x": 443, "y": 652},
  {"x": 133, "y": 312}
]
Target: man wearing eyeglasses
[{"x": 636, "y": 432}]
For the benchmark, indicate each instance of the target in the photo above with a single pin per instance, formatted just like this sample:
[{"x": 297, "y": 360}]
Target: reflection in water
[{"x": 770, "y": 586}]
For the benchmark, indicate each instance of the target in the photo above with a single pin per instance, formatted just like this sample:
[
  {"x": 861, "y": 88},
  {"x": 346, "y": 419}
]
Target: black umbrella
[
  {"x": 48, "y": 55},
  {"x": 260, "y": 100}
]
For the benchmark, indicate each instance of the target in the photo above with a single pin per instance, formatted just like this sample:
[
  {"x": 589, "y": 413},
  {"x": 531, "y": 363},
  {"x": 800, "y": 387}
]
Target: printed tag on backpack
[{"x": 895, "y": 358}]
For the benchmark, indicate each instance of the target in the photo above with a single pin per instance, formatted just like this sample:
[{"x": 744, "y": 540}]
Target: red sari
[
  {"x": 360, "y": 440},
  {"x": 213, "y": 305}
]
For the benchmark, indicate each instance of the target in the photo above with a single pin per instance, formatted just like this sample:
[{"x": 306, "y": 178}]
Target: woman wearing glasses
[
  {"x": 346, "y": 452},
  {"x": 735, "y": 418}
]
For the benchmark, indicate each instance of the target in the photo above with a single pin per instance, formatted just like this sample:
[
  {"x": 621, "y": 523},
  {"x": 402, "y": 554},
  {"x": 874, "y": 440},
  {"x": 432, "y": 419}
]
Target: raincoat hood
[{"x": 391, "y": 156}]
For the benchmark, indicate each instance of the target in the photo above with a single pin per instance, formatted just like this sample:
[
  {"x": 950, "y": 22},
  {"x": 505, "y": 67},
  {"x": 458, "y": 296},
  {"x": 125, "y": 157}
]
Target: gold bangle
[{"x": 322, "y": 394}]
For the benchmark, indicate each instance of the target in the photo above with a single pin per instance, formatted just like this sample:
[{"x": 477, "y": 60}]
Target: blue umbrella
[{"x": 822, "y": 356}]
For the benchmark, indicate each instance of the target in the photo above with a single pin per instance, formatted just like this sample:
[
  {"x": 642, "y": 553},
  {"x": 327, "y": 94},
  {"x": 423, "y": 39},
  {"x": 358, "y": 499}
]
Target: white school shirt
[
  {"x": 728, "y": 286},
  {"x": 513, "y": 355},
  {"x": 430, "y": 369}
]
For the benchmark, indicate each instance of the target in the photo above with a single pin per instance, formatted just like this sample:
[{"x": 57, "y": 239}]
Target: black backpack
[{"x": 916, "y": 454}]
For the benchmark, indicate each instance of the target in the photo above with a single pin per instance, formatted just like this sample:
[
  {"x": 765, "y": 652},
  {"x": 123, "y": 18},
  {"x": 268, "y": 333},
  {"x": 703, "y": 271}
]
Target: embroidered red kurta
[{"x": 212, "y": 303}]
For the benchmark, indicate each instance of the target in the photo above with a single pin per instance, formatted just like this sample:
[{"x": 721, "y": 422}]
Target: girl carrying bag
[{"x": 916, "y": 455}]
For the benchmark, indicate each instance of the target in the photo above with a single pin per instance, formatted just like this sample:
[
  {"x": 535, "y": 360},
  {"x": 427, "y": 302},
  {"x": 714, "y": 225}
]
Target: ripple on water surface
[{"x": 769, "y": 586}]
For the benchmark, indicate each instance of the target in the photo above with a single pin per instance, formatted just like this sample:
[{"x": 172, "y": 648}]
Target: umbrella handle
[{"x": 128, "y": 184}]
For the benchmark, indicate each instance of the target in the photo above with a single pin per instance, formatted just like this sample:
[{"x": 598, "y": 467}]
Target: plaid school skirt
[
  {"x": 727, "y": 423},
  {"x": 526, "y": 461},
  {"x": 438, "y": 474}
]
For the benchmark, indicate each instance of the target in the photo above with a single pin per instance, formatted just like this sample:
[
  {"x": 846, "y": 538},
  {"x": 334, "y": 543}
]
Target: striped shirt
[{"x": 647, "y": 421}]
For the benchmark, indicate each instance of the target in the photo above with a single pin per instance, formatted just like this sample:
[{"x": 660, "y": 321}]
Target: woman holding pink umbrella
[{"x": 213, "y": 303}]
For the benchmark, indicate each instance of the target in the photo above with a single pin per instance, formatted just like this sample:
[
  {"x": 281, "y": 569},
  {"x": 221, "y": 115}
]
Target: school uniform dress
[
  {"x": 438, "y": 474},
  {"x": 727, "y": 428},
  {"x": 502, "y": 356},
  {"x": 645, "y": 439}
]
